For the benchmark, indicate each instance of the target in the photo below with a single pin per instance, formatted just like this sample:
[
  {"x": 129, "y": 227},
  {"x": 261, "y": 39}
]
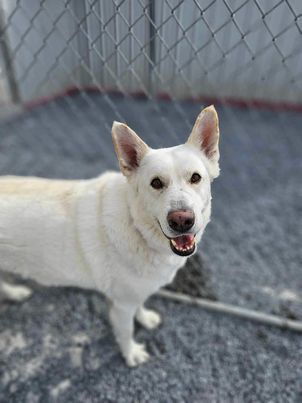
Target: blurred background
[{"x": 69, "y": 68}]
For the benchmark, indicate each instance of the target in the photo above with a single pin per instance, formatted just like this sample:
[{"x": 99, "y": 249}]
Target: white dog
[{"x": 125, "y": 234}]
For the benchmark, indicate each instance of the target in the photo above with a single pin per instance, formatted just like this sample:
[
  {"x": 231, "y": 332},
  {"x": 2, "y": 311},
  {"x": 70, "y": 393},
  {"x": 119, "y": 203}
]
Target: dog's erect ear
[
  {"x": 129, "y": 147},
  {"x": 205, "y": 137}
]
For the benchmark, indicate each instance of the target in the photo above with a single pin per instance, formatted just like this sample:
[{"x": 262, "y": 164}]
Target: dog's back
[{"x": 38, "y": 230}]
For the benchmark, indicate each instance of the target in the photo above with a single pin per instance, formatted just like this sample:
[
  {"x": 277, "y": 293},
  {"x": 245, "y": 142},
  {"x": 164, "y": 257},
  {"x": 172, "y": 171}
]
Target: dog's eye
[
  {"x": 195, "y": 178},
  {"x": 157, "y": 183}
]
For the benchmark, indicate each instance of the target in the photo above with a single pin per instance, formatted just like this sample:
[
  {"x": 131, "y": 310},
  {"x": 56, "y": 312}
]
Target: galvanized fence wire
[
  {"x": 179, "y": 50},
  {"x": 206, "y": 38},
  {"x": 155, "y": 49}
]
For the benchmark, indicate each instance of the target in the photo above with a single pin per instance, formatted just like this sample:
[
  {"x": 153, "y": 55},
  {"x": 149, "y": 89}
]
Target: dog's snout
[{"x": 181, "y": 220}]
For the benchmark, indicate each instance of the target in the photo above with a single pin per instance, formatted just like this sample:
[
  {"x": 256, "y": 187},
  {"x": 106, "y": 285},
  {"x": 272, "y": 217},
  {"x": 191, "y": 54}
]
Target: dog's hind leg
[
  {"x": 14, "y": 292},
  {"x": 147, "y": 318},
  {"x": 122, "y": 320}
]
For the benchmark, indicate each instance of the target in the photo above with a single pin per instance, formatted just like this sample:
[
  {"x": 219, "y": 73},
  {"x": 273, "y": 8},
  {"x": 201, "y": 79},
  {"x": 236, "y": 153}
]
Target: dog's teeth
[{"x": 185, "y": 248}]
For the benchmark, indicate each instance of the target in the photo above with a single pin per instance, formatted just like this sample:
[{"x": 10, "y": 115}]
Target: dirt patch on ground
[{"x": 194, "y": 279}]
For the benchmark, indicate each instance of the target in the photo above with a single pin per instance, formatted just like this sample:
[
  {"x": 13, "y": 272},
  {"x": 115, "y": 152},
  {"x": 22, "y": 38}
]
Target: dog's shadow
[{"x": 194, "y": 279}]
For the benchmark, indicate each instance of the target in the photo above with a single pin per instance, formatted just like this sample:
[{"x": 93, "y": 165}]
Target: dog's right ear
[{"x": 129, "y": 147}]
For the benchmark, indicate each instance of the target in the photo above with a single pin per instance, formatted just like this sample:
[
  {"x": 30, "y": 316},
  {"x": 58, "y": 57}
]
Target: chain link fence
[
  {"x": 249, "y": 49},
  {"x": 68, "y": 68}
]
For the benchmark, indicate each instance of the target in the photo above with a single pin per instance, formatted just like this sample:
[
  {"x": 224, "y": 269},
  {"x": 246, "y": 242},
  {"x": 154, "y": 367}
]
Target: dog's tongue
[{"x": 184, "y": 241}]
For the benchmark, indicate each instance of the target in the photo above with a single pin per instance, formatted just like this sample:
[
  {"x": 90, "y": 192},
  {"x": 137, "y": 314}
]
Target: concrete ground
[{"x": 57, "y": 346}]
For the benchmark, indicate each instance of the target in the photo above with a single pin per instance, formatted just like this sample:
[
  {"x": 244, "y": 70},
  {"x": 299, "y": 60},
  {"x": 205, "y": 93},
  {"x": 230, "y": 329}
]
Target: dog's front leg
[
  {"x": 122, "y": 320},
  {"x": 148, "y": 318}
]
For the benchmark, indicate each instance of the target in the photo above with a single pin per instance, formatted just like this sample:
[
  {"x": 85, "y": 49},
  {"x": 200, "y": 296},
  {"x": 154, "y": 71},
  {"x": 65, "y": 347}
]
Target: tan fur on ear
[
  {"x": 129, "y": 147},
  {"x": 205, "y": 137}
]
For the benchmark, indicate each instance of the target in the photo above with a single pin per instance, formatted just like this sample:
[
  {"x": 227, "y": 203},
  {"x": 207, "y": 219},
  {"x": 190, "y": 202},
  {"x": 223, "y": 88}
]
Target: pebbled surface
[{"x": 58, "y": 346}]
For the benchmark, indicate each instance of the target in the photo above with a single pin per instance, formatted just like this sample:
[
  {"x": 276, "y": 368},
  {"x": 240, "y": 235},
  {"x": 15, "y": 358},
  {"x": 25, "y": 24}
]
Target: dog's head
[{"x": 171, "y": 187}]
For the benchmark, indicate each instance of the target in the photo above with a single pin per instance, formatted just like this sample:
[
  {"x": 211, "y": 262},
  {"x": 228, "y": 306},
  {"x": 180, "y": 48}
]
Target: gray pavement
[{"x": 58, "y": 346}]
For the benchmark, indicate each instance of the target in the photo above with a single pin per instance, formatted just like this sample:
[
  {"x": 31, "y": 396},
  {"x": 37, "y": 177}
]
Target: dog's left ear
[
  {"x": 205, "y": 137},
  {"x": 129, "y": 147}
]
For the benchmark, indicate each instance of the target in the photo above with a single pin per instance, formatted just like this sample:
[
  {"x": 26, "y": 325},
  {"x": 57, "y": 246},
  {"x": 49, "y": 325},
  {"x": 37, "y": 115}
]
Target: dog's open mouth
[{"x": 183, "y": 245}]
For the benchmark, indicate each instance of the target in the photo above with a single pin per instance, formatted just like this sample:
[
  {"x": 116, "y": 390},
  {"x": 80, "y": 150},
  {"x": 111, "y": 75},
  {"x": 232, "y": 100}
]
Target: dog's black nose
[{"x": 181, "y": 220}]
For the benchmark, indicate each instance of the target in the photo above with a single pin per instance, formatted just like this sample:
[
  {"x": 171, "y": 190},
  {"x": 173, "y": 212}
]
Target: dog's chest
[
  {"x": 138, "y": 285},
  {"x": 162, "y": 271}
]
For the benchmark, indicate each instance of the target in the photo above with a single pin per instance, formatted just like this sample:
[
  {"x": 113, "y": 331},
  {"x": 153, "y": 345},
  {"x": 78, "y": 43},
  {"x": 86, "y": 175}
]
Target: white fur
[
  {"x": 108, "y": 233},
  {"x": 14, "y": 292}
]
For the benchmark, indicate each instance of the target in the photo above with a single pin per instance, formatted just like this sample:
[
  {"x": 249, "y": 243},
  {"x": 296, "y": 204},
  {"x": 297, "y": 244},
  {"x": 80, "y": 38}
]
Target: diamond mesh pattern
[{"x": 245, "y": 49}]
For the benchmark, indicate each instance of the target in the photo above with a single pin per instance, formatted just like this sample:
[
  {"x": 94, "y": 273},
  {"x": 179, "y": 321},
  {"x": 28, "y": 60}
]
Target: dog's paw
[
  {"x": 148, "y": 318},
  {"x": 16, "y": 292},
  {"x": 137, "y": 355}
]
